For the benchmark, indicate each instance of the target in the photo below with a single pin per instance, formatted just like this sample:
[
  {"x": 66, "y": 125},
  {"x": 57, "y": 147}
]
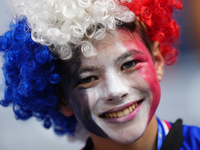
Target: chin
[
  {"x": 129, "y": 132},
  {"x": 127, "y": 140}
]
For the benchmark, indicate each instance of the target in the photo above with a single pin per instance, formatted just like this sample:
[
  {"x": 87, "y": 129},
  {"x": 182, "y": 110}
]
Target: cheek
[
  {"x": 149, "y": 76},
  {"x": 82, "y": 103}
]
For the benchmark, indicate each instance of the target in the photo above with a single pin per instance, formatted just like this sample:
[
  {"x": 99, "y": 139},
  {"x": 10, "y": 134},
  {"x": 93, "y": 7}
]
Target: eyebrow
[
  {"x": 127, "y": 54},
  {"x": 87, "y": 69},
  {"x": 82, "y": 70}
]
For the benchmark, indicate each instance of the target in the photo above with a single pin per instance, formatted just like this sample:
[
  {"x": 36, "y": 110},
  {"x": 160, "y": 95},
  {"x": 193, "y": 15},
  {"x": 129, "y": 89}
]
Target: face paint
[{"x": 115, "y": 93}]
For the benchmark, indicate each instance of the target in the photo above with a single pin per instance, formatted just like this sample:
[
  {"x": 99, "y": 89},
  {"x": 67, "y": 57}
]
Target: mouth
[{"x": 121, "y": 113}]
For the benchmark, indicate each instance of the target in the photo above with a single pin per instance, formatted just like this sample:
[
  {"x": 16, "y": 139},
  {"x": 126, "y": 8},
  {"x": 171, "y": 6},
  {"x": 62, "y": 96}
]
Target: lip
[{"x": 124, "y": 118}]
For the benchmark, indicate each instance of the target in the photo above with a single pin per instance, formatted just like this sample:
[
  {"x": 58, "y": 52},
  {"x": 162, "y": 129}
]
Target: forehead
[
  {"x": 110, "y": 48},
  {"x": 120, "y": 40}
]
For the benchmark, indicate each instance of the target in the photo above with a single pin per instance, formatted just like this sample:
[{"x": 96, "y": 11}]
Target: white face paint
[{"x": 120, "y": 78}]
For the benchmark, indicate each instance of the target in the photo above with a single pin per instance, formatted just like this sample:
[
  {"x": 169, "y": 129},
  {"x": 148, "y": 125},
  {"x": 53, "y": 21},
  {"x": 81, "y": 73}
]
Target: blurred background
[{"x": 180, "y": 90}]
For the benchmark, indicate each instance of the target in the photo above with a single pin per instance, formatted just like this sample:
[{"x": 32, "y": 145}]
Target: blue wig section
[{"x": 32, "y": 76}]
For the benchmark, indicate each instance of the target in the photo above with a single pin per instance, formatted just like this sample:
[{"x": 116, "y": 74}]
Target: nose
[{"x": 115, "y": 87}]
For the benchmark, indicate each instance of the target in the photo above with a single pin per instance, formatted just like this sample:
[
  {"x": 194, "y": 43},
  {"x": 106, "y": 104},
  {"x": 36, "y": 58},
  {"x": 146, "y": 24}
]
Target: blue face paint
[{"x": 79, "y": 104}]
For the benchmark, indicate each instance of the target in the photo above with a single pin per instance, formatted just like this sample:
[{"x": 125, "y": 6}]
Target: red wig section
[{"x": 157, "y": 15}]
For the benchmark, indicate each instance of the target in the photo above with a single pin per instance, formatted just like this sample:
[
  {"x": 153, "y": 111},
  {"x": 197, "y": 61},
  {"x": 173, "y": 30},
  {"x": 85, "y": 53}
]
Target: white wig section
[{"x": 60, "y": 22}]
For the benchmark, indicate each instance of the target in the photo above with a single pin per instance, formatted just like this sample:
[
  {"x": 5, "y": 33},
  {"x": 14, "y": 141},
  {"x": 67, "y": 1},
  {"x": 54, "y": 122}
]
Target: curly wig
[{"x": 31, "y": 66}]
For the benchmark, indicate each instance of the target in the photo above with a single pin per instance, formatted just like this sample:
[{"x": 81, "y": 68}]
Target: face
[{"x": 115, "y": 93}]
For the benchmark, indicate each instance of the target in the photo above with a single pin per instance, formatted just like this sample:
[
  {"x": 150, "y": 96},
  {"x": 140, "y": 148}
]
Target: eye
[
  {"x": 128, "y": 64},
  {"x": 88, "y": 80}
]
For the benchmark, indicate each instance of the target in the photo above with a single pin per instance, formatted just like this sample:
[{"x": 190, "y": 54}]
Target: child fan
[{"x": 97, "y": 63}]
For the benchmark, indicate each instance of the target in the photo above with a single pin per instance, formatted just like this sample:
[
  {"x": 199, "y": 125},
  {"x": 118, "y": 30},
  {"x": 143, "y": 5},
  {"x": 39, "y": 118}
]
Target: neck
[{"x": 148, "y": 141}]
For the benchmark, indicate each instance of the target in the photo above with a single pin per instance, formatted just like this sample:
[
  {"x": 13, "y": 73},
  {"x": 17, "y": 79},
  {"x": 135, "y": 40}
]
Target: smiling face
[{"x": 114, "y": 94}]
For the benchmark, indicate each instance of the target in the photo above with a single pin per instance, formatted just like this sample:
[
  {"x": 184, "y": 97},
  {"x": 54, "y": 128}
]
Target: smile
[{"x": 122, "y": 113}]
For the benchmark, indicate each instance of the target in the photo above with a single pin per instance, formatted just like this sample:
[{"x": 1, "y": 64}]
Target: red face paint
[{"x": 147, "y": 72}]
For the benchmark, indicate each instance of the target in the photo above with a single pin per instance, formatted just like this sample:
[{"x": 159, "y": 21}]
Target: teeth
[
  {"x": 133, "y": 106},
  {"x": 114, "y": 115},
  {"x": 125, "y": 112},
  {"x": 120, "y": 114},
  {"x": 130, "y": 109},
  {"x": 111, "y": 115}
]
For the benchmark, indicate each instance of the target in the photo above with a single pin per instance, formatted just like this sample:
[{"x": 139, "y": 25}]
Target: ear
[
  {"x": 65, "y": 109},
  {"x": 159, "y": 61}
]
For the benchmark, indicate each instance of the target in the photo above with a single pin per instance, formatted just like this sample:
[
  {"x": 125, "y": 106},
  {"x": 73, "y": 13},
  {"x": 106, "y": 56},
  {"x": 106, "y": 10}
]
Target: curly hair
[
  {"x": 32, "y": 76},
  {"x": 31, "y": 68},
  {"x": 61, "y": 22},
  {"x": 157, "y": 16}
]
